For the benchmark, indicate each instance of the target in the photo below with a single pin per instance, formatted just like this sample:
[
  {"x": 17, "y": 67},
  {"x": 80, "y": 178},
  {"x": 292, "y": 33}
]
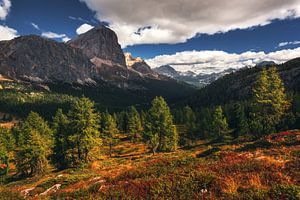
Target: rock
[
  {"x": 52, "y": 189},
  {"x": 138, "y": 65},
  {"x": 35, "y": 59},
  {"x": 100, "y": 42}
]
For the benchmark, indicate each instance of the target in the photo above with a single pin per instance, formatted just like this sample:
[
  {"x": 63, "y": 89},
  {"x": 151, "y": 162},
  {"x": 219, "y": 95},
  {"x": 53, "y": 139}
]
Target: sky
[{"x": 198, "y": 35}]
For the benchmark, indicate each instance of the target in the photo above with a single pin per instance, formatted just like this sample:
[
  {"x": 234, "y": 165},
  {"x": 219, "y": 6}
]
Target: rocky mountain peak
[{"x": 101, "y": 43}]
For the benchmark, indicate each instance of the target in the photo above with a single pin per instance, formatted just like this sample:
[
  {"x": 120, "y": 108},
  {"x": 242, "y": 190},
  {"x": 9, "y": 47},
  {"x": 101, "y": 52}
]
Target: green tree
[
  {"x": 84, "y": 133},
  {"x": 34, "y": 145},
  {"x": 240, "y": 120},
  {"x": 134, "y": 123},
  {"x": 61, "y": 132},
  {"x": 109, "y": 131},
  {"x": 160, "y": 125},
  {"x": 270, "y": 102},
  {"x": 6, "y": 146},
  {"x": 219, "y": 123}
]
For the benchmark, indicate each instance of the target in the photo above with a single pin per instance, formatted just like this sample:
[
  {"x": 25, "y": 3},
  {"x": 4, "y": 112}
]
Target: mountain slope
[
  {"x": 37, "y": 59},
  {"x": 237, "y": 86}
]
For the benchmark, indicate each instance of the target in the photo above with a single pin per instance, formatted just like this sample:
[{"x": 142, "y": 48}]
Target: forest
[{"x": 73, "y": 137}]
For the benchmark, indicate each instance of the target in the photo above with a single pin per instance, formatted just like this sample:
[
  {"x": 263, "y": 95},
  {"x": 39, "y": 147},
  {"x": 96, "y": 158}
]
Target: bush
[
  {"x": 289, "y": 192},
  {"x": 6, "y": 194},
  {"x": 209, "y": 152}
]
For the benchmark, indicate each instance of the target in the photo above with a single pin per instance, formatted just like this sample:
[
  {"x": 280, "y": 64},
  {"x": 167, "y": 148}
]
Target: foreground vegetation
[
  {"x": 263, "y": 169},
  {"x": 220, "y": 152}
]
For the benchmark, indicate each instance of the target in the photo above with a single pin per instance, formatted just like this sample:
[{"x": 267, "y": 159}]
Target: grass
[{"x": 264, "y": 169}]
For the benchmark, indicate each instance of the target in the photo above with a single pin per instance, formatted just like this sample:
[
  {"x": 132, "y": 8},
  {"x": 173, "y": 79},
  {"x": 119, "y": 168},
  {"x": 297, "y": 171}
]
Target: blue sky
[{"x": 191, "y": 29}]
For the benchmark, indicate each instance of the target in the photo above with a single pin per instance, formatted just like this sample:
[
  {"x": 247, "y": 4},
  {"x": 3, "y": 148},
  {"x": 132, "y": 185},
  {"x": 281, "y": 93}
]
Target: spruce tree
[
  {"x": 84, "y": 133},
  {"x": 269, "y": 102},
  {"x": 61, "y": 132},
  {"x": 134, "y": 123},
  {"x": 219, "y": 123},
  {"x": 160, "y": 127},
  {"x": 34, "y": 145},
  {"x": 109, "y": 131}
]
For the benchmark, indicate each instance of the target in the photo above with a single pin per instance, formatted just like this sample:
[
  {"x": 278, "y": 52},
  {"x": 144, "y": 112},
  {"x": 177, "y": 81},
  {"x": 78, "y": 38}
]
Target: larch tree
[
  {"x": 34, "y": 146},
  {"x": 160, "y": 128},
  {"x": 219, "y": 124},
  {"x": 270, "y": 102},
  {"x": 134, "y": 123},
  {"x": 84, "y": 130},
  {"x": 109, "y": 131},
  {"x": 61, "y": 132}
]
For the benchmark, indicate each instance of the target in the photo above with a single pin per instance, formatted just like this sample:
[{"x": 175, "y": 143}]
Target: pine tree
[
  {"x": 61, "y": 131},
  {"x": 219, "y": 123},
  {"x": 34, "y": 145},
  {"x": 160, "y": 124},
  {"x": 109, "y": 131},
  {"x": 134, "y": 123},
  {"x": 84, "y": 133},
  {"x": 269, "y": 102}
]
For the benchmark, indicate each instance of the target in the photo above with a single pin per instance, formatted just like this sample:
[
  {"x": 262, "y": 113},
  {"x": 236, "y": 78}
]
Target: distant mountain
[
  {"x": 237, "y": 86},
  {"x": 265, "y": 63},
  {"x": 199, "y": 80}
]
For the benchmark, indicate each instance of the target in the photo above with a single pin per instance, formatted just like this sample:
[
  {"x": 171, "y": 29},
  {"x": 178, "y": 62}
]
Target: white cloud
[
  {"x": 282, "y": 44},
  {"x": 53, "y": 35},
  {"x": 35, "y": 26},
  {"x": 174, "y": 21},
  {"x": 84, "y": 28},
  {"x": 216, "y": 61},
  {"x": 4, "y": 9},
  {"x": 65, "y": 39},
  {"x": 7, "y": 33}
]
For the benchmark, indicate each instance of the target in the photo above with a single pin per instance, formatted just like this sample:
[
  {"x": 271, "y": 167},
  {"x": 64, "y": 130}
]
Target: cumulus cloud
[
  {"x": 84, "y": 28},
  {"x": 216, "y": 61},
  {"x": 7, "y": 33},
  {"x": 53, "y": 35},
  {"x": 282, "y": 44},
  {"x": 175, "y": 21},
  {"x": 4, "y": 8}
]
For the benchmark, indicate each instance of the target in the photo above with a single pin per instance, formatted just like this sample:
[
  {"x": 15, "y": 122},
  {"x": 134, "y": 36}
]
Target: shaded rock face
[
  {"x": 100, "y": 42},
  {"x": 167, "y": 70},
  {"x": 37, "y": 59}
]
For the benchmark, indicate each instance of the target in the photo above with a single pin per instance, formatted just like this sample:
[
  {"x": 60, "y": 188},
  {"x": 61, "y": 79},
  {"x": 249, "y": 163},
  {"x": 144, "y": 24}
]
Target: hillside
[
  {"x": 237, "y": 86},
  {"x": 262, "y": 169}
]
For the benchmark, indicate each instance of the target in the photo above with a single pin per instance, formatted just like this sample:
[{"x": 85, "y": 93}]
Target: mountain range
[
  {"x": 198, "y": 80},
  {"x": 93, "y": 59}
]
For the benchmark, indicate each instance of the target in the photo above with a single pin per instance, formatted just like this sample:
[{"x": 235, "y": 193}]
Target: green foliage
[
  {"x": 60, "y": 126},
  {"x": 84, "y": 131},
  {"x": 269, "y": 102},
  {"x": 109, "y": 131},
  {"x": 241, "y": 121},
  {"x": 160, "y": 128},
  {"x": 134, "y": 123},
  {"x": 33, "y": 146},
  {"x": 219, "y": 123},
  {"x": 289, "y": 192}
]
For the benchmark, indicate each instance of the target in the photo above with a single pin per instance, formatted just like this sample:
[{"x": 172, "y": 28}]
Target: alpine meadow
[{"x": 136, "y": 99}]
